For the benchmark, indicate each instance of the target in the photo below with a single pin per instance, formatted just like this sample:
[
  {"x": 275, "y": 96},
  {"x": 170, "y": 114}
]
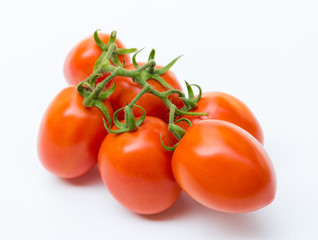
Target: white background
[{"x": 263, "y": 52}]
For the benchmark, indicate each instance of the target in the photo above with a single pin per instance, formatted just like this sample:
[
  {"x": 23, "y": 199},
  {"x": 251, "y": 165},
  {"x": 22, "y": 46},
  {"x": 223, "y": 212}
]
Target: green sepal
[
  {"x": 110, "y": 130},
  {"x": 130, "y": 119},
  {"x": 200, "y": 93},
  {"x": 114, "y": 56},
  {"x": 166, "y": 68},
  {"x": 170, "y": 149},
  {"x": 181, "y": 112},
  {"x": 93, "y": 79},
  {"x": 115, "y": 119},
  {"x": 190, "y": 90},
  {"x": 177, "y": 131},
  {"x": 142, "y": 118},
  {"x": 123, "y": 51},
  {"x": 152, "y": 55},
  {"x": 176, "y": 91},
  {"x": 136, "y": 65},
  {"x": 104, "y": 47},
  {"x": 190, "y": 104},
  {"x": 185, "y": 120},
  {"x": 191, "y": 101},
  {"x": 112, "y": 38},
  {"x": 130, "y": 123},
  {"x": 104, "y": 110},
  {"x": 99, "y": 42},
  {"x": 157, "y": 78},
  {"x": 105, "y": 94}
]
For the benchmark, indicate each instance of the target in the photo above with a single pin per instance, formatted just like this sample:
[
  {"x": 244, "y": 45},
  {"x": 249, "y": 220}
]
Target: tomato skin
[
  {"x": 225, "y": 107},
  {"x": 126, "y": 90},
  {"x": 223, "y": 167},
  {"x": 80, "y": 62},
  {"x": 70, "y": 135},
  {"x": 137, "y": 170}
]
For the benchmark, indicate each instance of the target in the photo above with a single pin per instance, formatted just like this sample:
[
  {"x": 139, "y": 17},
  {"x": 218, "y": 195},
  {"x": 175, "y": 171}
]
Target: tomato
[
  {"x": 223, "y": 167},
  {"x": 225, "y": 107},
  {"x": 126, "y": 90},
  {"x": 137, "y": 169},
  {"x": 80, "y": 61},
  {"x": 70, "y": 135}
]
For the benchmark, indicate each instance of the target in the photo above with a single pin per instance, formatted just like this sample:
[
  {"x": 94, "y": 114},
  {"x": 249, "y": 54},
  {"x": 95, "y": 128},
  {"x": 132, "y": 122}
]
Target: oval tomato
[
  {"x": 137, "y": 169},
  {"x": 223, "y": 167},
  {"x": 80, "y": 61},
  {"x": 70, "y": 135},
  {"x": 225, "y": 107},
  {"x": 126, "y": 90}
]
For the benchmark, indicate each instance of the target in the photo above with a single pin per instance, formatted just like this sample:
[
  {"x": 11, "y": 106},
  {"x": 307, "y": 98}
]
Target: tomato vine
[{"x": 108, "y": 62}]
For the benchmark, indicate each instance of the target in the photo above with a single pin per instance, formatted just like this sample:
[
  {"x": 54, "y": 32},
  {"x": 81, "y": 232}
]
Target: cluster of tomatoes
[{"x": 220, "y": 160}]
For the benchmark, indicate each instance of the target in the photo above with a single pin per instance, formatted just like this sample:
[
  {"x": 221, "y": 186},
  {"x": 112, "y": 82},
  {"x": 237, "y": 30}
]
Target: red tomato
[
  {"x": 223, "y": 167},
  {"x": 80, "y": 61},
  {"x": 126, "y": 90},
  {"x": 225, "y": 107},
  {"x": 70, "y": 135},
  {"x": 137, "y": 169}
]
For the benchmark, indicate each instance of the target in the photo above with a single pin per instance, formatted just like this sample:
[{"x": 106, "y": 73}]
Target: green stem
[
  {"x": 139, "y": 95},
  {"x": 149, "y": 64},
  {"x": 93, "y": 95},
  {"x": 172, "y": 114}
]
